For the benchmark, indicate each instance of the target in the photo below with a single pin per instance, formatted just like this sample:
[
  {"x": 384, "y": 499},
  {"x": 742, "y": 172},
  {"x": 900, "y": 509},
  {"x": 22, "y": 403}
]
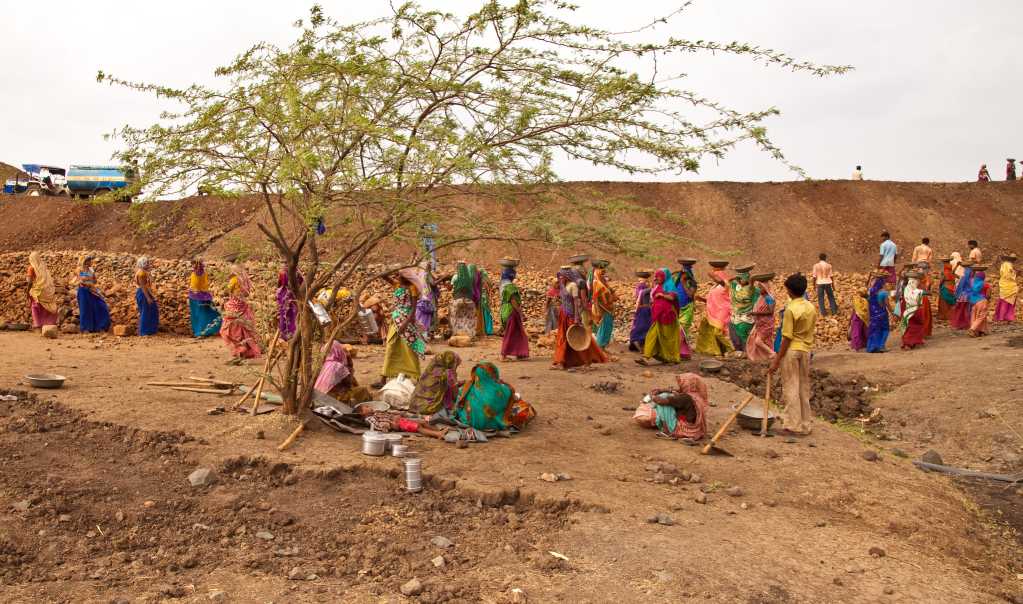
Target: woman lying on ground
[{"x": 679, "y": 413}]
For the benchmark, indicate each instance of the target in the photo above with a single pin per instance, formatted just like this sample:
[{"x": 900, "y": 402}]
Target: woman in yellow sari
[
  {"x": 712, "y": 339},
  {"x": 41, "y": 293},
  {"x": 1008, "y": 289}
]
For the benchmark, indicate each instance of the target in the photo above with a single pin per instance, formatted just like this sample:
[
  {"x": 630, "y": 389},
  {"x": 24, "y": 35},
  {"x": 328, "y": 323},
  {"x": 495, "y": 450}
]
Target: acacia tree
[{"x": 383, "y": 125}]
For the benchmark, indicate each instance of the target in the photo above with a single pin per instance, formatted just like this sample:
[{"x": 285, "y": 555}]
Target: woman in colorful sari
[
  {"x": 960, "y": 317},
  {"x": 145, "y": 299},
  {"x": 913, "y": 298},
  {"x": 93, "y": 312},
  {"x": 685, "y": 287},
  {"x": 743, "y": 298},
  {"x": 337, "y": 376},
  {"x": 42, "y": 294},
  {"x": 603, "y": 307},
  {"x": 287, "y": 306},
  {"x": 463, "y": 309},
  {"x": 859, "y": 321},
  {"x": 679, "y": 413},
  {"x": 205, "y": 319},
  {"x": 508, "y": 274},
  {"x": 712, "y": 339},
  {"x": 880, "y": 305},
  {"x": 662, "y": 337},
  {"x": 238, "y": 325},
  {"x": 760, "y": 345},
  {"x": 422, "y": 297},
  {"x": 514, "y": 342},
  {"x": 641, "y": 318},
  {"x": 979, "y": 291},
  {"x": 947, "y": 289},
  {"x": 1008, "y": 289},
  {"x": 481, "y": 297},
  {"x": 487, "y": 403},
  {"x": 438, "y": 387},
  {"x": 571, "y": 282},
  {"x": 405, "y": 344}
]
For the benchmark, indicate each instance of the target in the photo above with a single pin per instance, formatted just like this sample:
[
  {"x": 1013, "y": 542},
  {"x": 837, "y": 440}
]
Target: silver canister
[
  {"x": 413, "y": 474},
  {"x": 374, "y": 444},
  {"x": 399, "y": 450}
]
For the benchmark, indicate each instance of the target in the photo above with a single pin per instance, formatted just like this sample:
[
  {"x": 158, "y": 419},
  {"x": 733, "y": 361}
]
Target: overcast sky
[{"x": 934, "y": 93}]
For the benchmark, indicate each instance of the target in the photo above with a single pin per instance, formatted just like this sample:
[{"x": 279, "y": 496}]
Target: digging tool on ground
[{"x": 724, "y": 428}]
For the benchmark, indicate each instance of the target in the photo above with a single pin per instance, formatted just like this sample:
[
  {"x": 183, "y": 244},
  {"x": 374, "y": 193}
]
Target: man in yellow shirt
[{"x": 797, "y": 332}]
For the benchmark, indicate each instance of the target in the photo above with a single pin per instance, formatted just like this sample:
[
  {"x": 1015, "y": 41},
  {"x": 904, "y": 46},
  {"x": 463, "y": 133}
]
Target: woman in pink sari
[
  {"x": 712, "y": 339},
  {"x": 238, "y": 329},
  {"x": 760, "y": 344},
  {"x": 679, "y": 413}
]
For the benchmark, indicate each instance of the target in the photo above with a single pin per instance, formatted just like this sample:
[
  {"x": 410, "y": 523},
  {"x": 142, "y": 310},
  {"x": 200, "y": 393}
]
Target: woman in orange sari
[
  {"x": 978, "y": 294},
  {"x": 946, "y": 289},
  {"x": 566, "y": 357},
  {"x": 925, "y": 310}
]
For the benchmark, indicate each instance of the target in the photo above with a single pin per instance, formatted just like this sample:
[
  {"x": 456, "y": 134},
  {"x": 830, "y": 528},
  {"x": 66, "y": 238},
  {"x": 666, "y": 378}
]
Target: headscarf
[
  {"x": 978, "y": 287},
  {"x": 42, "y": 290},
  {"x": 82, "y": 261},
  {"x": 696, "y": 388},
  {"x": 956, "y": 259},
  {"x": 463, "y": 281},
  {"x": 335, "y": 368},
  {"x": 719, "y": 303},
  {"x": 911, "y": 295},
  {"x": 603, "y": 297},
  {"x": 685, "y": 277},
  {"x": 438, "y": 386},
  {"x": 964, "y": 286},
  {"x": 861, "y": 306},
  {"x": 142, "y": 263},
  {"x": 488, "y": 403},
  {"x": 566, "y": 276},
  {"x": 417, "y": 277},
  {"x": 664, "y": 312},
  {"x": 948, "y": 285},
  {"x": 244, "y": 283},
  {"x": 1007, "y": 286},
  {"x": 878, "y": 309}
]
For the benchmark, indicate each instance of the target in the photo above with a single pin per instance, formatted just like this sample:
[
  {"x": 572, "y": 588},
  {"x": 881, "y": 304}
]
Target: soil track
[
  {"x": 800, "y": 530},
  {"x": 780, "y": 225}
]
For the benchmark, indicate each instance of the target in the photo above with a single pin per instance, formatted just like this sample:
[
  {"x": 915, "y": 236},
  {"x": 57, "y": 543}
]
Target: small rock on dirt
[
  {"x": 217, "y": 595},
  {"x": 260, "y": 435},
  {"x": 665, "y": 520},
  {"x": 201, "y": 477},
  {"x": 734, "y": 491},
  {"x": 21, "y": 506},
  {"x": 50, "y": 331},
  {"x": 549, "y": 477},
  {"x": 438, "y": 562},
  {"x": 877, "y": 552},
  {"x": 265, "y": 535},
  {"x": 441, "y": 542},
  {"x": 700, "y": 497},
  {"x": 295, "y": 573},
  {"x": 517, "y": 596},
  {"x": 870, "y": 455},
  {"x": 888, "y": 591},
  {"x": 899, "y": 453},
  {"x": 932, "y": 456},
  {"x": 412, "y": 587},
  {"x": 771, "y": 454}
]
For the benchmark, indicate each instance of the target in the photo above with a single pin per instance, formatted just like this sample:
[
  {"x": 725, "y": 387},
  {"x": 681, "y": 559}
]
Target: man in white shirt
[
  {"x": 824, "y": 280},
  {"x": 889, "y": 254},
  {"x": 858, "y": 173},
  {"x": 923, "y": 252}
]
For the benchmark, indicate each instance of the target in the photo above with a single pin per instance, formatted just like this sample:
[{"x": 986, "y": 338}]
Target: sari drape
[
  {"x": 515, "y": 342},
  {"x": 858, "y": 323},
  {"x": 1008, "y": 290},
  {"x": 485, "y": 402},
  {"x": 879, "y": 327},
  {"x": 93, "y": 312},
  {"x": 438, "y": 387},
  {"x": 643, "y": 318},
  {"x": 760, "y": 345}
]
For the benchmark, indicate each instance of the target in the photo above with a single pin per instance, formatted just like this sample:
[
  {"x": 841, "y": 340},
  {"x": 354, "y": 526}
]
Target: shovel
[{"x": 711, "y": 448}]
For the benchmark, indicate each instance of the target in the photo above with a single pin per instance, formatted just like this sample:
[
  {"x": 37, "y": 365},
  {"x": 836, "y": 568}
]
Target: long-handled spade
[{"x": 724, "y": 428}]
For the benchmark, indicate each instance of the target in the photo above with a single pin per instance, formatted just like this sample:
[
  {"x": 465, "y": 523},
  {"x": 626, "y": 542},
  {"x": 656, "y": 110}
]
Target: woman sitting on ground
[
  {"x": 679, "y": 413},
  {"x": 488, "y": 403},
  {"x": 438, "y": 387},
  {"x": 337, "y": 376}
]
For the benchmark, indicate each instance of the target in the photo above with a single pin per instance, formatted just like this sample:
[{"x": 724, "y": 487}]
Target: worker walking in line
[
  {"x": 1010, "y": 169},
  {"x": 858, "y": 173}
]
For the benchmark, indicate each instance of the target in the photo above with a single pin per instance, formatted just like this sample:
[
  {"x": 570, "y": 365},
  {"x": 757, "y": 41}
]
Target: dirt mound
[
  {"x": 8, "y": 171},
  {"x": 783, "y": 226},
  {"x": 83, "y": 518}
]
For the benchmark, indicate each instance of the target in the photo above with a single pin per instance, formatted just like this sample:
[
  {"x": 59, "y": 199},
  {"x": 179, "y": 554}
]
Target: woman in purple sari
[
  {"x": 641, "y": 320},
  {"x": 880, "y": 306},
  {"x": 287, "y": 307}
]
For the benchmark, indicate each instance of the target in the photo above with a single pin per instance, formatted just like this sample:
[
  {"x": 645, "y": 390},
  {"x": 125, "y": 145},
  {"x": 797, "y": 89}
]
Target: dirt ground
[{"x": 95, "y": 505}]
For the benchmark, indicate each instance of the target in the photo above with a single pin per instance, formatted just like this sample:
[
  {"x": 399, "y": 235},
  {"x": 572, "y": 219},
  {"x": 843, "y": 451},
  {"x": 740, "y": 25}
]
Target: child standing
[{"x": 793, "y": 356}]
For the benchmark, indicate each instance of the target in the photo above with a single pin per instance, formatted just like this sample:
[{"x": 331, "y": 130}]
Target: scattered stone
[
  {"x": 295, "y": 573},
  {"x": 217, "y": 595},
  {"x": 877, "y": 552},
  {"x": 119, "y": 516},
  {"x": 260, "y": 435},
  {"x": 932, "y": 456},
  {"x": 837, "y": 581},
  {"x": 734, "y": 491},
  {"x": 695, "y": 478},
  {"x": 648, "y": 374},
  {"x": 870, "y": 455},
  {"x": 50, "y": 332},
  {"x": 311, "y": 577},
  {"x": 149, "y": 503},
  {"x": 606, "y": 432},
  {"x": 549, "y": 477},
  {"x": 120, "y": 330},
  {"x": 665, "y": 520},
  {"x": 659, "y": 478},
  {"x": 771, "y": 454},
  {"x": 771, "y": 503},
  {"x": 899, "y": 453},
  {"x": 563, "y": 476},
  {"x": 790, "y": 441},
  {"x": 64, "y": 518},
  {"x": 215, "y": 411},
  {"x": 413, "y": 587},
  {"x": 700, "y": 497},
  {"x": 888, "y": 591},
  {"x": 265, "y": 535},
  {"x": 438, "y": 562},
  {"x": 744, "y": 505},
  {"x": 685, "y": 475},
  {"x": 517, "y": 596},
  {"x": 201, "y": 477},
  {"x": 69, "y": 328},
  {"x": 21, "y": 506},
  {"x": 820, "y": 524},
  {"x": 441, "y": 542}
]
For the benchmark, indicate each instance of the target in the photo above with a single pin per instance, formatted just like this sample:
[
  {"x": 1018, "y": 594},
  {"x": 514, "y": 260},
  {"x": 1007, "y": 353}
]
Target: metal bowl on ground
[
  {"x": 718, "y": 263},
  {"x": 752, "y": 415},
  {"x": 18, "y": 326},
  {"x": 374, "y": 405},
  {"x": 762, "y": 277},
  {"x": 578, "y": 337},
  {"x": 45, "y": 380},
  {"x": 711, "y": 366}
]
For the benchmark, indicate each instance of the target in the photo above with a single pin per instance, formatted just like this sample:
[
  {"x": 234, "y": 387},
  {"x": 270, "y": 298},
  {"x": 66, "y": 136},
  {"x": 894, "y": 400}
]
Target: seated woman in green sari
[{"x": 488, "y": 403}]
